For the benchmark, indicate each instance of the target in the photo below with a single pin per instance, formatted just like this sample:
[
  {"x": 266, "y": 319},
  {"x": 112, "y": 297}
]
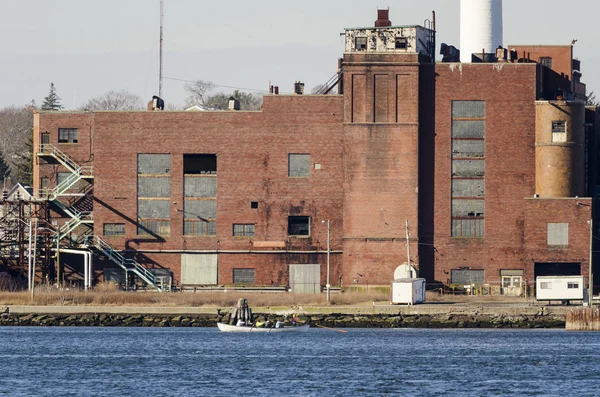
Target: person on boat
[
  {"x": 279, "y": 324},
  {"x": 294, "y": 320},
  {"x": 241, "y": 323},
  {"x": 259, "y": 324}
]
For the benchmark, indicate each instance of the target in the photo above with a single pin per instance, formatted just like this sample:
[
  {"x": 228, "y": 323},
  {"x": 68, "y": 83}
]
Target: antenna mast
[{"x": 160, "y": 70}]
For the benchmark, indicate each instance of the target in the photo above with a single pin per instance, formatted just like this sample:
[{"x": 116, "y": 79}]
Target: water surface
[{"x": 199, "y": 362}]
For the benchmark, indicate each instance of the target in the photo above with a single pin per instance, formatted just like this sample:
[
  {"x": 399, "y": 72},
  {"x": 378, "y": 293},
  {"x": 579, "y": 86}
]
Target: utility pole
[
  {"x": 591, "y": 275},
  {"x": 328, "y": 285},
  {"x": 160, "y": 70},
  {"x": 408, "y": 272}
]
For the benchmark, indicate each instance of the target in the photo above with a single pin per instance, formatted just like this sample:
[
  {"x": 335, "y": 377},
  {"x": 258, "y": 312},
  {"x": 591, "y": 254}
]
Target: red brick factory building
[{"x": 487, "y": 165}]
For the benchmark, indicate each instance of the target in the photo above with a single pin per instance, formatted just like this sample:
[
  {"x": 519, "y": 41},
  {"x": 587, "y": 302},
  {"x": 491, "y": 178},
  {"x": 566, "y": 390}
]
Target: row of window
[{"x": 297, "y": 226}]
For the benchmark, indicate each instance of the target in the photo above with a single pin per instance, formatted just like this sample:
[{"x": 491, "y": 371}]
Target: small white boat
[{"x": 233, "y": 328}]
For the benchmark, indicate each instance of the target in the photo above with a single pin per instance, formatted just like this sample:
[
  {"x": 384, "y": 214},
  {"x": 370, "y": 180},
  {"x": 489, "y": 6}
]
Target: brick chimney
[{"x": 383, "y": 18}]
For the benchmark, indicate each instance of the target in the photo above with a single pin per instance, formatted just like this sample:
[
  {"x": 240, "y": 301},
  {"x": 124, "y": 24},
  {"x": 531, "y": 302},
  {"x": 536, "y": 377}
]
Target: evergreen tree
[
  {"x": 4, "y": 168},
  {"x": 24, "y": 166},
  {"x": 52, "y": 101}
]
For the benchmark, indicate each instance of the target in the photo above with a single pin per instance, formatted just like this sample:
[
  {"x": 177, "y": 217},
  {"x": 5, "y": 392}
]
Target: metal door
[
  {"x": 305, "y": 279},
  {"x": 199, "y": 269}
]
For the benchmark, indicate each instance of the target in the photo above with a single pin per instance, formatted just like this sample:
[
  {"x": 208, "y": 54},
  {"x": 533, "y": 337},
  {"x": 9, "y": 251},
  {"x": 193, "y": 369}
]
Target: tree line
[{"x": 16, "y": 122}]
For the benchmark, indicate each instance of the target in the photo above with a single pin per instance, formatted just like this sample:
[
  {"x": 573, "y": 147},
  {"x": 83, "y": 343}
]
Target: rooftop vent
[
  {"x": 383, "y": 18},
  {"x": 299, "y": 87}
]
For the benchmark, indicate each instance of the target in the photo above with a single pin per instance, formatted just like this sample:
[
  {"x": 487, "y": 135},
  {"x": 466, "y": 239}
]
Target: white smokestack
[{"x": 480, "y": 27}]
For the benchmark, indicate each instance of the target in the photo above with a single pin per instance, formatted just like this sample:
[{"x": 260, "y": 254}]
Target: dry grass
[{"x": 107, "y": 295}]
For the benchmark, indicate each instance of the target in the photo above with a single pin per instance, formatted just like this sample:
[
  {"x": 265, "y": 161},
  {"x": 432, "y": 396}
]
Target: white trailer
[
  {"x": 408, "y": 291},
  {"x": 559, "y": 288}
]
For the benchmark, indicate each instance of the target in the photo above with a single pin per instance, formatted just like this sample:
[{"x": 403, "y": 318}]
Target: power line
[{"x": 217, "y": 85}]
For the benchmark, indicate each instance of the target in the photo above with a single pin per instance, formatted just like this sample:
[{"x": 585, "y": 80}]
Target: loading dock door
[
  {"x": 199, "y": 269},
  {"x": 305, "y": 279}
]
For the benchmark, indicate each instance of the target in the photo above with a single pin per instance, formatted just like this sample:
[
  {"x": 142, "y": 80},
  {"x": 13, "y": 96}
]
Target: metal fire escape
[{"x": 65, "y": 190}]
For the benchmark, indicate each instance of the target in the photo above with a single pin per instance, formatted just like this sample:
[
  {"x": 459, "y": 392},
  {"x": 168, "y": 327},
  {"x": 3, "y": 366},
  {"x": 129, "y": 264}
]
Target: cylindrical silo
[
  {"x": 480, "y": 27},
  {"x": 559, "y": 149}
]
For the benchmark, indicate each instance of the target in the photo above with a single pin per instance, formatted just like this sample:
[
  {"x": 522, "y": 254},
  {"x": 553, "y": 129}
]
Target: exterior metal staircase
[
  {"x": 78, "y": 173},
  {"x": 331, "y": 83},
  {"x": 130, "y": 265}
]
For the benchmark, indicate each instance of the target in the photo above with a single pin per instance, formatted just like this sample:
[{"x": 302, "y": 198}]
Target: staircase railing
[
  {"x": 330, "y": 84},
  {"x": 129, "y": 265},
  {"x": 50, "y": 150}
]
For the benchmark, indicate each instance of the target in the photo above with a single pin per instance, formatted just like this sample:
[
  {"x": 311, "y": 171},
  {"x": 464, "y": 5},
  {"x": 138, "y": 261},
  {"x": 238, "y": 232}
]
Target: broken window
[
  {"x": 558, "y": 234},
  {"x": 200, "y": 194},
  {"x": 401, "y": 43},
  {"x": 199, "y": 164},
  {"x": 45, "y": 138},
  {"x": 113, "y": 229},
  {"x": 68, "y": 135},
  {"x": 299, "y": 165},
  {"x": 468, "y": 168},
  {"x": 299, "y": 225},
  {"x": 559, "y": 131},
  {"x": 243, "y": 276},
  {"x": 360, "y": 43},
  {"x": 154, "y": 194},
  {"x": 243, "y": 230},
  {"x": 546, "y": 61}
]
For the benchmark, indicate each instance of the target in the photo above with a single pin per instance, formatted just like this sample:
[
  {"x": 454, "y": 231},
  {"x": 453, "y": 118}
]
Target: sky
[{"x": 88, "y": 47}]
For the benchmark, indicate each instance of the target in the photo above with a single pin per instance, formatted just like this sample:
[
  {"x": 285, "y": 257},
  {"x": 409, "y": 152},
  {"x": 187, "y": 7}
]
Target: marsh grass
[{"x": 109, "y": 295}]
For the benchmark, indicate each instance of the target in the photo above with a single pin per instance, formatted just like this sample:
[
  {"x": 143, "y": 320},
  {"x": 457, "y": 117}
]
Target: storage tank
[
  {"x": 559, "y": 149},
  {"x": 480, "y": 27}
]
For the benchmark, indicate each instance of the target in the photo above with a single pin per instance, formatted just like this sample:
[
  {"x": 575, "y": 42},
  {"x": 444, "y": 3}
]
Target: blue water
[{"x": 203, "y": 362}]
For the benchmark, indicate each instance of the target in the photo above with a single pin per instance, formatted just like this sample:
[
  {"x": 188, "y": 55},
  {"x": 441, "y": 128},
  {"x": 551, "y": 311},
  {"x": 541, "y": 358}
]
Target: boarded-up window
[
  {"x": 200, "y": 187},
  {"x": 468, "y": 168},
  {"x": 199, "y": 269},
  {"x": 558, "y": 234},
  {"x": 243, "y": 276},
  {"x": 299, "y": 165},
  {"x": 154, "y": 164},
  {"x": 154, "y": 194},
  {"x": 113, "y": 229},
  {"x": 466, "y": 277},
  {"x": 200, "y": 194}
]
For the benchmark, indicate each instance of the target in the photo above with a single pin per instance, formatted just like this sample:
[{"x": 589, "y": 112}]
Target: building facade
[{"x": 471, "y": 173}]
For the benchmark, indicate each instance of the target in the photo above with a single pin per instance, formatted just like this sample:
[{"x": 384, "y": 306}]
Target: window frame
[
  {"x": 114, "y": 232},
  {"x": 248, "y": 230},
  {"x": 298, "y": 217},
  {"x": 243, "y": 282},
  {"x": 401, "y": 43},
  {"x": 356, "y": 43},
  {"x": 72, "y": 135},
  {"x": 305, "y": 157}
]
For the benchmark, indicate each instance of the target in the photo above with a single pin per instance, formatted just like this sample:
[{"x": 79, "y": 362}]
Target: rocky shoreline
[{"x": 341, "y": 320}]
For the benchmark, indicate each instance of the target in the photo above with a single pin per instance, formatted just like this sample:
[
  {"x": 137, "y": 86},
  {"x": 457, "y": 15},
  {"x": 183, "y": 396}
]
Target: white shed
[
  {"x": 563, "y": 288},
  {"x": 408, "y": 291}
]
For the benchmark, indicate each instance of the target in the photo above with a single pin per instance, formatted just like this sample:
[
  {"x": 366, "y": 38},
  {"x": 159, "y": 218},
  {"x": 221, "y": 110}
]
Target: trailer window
[
  {"x": 573, "y": 285},
  {"x": 546, "y": 285}
]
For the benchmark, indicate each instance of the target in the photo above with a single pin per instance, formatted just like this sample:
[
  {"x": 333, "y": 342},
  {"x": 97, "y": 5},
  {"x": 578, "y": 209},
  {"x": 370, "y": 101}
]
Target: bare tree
[
  {"x": 16, "y": 125},
  {"x": 248, "y": 101},
  {"x": 198, "y": 93},
  {"x": 115, "y": 100}
]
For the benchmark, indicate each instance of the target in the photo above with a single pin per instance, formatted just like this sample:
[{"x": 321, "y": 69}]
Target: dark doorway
[{"x": 557, "y": 269}]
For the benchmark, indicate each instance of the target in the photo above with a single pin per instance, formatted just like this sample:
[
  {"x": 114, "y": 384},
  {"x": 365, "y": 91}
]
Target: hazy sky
[{"x": 87, "y": 47}]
